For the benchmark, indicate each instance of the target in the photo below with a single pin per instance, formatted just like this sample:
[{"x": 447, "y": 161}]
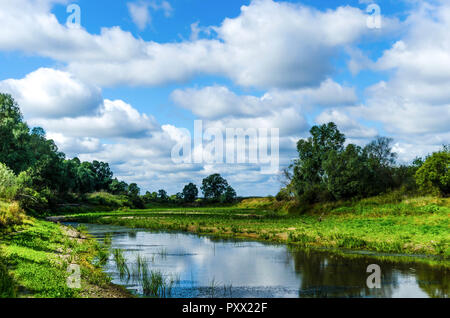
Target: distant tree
[
  {"x": 162, "y": 196},
  {"x": 133, "y": 190},
  {"x": 434, "y": 174},
  {"x": 229, "y": 195},
  {"x": 118, "y": 187},
  {"x": 190, "y": 193},
  {"x": 103, "y": 175},
  {"x": 214, "y": 186}
]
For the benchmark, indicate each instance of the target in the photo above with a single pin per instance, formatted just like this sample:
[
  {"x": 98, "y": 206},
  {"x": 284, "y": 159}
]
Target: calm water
[{"x": 252, "y": 269}]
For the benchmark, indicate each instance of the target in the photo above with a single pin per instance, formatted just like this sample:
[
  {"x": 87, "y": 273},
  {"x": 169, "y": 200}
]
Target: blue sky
[{"x": 123, "y": 85}]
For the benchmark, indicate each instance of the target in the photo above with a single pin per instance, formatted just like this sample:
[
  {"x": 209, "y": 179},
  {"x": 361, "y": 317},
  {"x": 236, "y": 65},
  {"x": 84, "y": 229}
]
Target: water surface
[{"x": 209, "y": 267}]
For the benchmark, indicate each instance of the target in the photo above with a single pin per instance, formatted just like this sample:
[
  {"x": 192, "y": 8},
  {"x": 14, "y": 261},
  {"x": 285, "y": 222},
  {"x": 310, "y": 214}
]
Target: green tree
[
  {"x": 162, "y": 196},
  {"x": 313, "y": 152},
  {"x": 14, "y": 136},
  {"x": 118, "y": 187},
  {"x": 434, "y": 174},
  {"x": 133, "y": 190},
  {"x": 190, "y": 193},
  {"x": 214, "y": 186},
  {"x": 346, "y": 172},
  {"x": 228, "y": 196}
]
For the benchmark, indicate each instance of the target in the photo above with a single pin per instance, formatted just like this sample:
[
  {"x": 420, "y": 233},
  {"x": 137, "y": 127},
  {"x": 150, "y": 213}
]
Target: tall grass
[
  {"x": 121, "y": 264},
  {"x": 154, "y": 283}
]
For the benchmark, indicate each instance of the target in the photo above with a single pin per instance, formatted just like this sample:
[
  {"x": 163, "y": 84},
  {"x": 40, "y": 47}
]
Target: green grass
[
  {"x": 37, "y": 255},
  {"x": 380, "y": 224}
]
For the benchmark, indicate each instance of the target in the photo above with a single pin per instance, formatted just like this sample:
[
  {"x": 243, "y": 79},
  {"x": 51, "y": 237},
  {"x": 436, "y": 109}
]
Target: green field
[
  {"x": 34, "y": 259},
  {"x": 413, "y": 226}
]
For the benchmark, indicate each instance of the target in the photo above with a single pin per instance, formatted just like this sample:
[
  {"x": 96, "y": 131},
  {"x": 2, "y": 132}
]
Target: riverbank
[
  {"x": 416, "y": 226},
  {"x": 35, "y": 257}
]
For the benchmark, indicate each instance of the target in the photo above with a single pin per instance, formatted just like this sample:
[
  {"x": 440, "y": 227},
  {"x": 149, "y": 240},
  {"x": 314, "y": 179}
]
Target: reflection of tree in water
[
  {"x": 324, "y": 274},
  {"x": 434, "y": 283}
]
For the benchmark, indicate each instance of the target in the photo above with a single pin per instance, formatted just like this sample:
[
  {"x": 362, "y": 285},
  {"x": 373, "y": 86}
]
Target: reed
[{"x": 121, "y": 264}]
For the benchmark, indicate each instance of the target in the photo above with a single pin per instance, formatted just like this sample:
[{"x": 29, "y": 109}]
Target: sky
[{"x": 125, "y": 81}]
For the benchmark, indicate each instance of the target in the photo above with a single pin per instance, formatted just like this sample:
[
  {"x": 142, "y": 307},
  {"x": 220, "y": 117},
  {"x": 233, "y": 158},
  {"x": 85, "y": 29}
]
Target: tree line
[
  {"x": 34, "y": 172},
  {"x": 327, "y": 170}
]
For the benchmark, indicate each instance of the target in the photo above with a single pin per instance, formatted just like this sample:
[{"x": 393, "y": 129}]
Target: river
[{"x": 208, "y": 267}]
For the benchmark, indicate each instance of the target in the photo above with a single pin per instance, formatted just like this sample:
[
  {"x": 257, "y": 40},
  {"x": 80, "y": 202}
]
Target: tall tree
[
  {"x": 313, "y": 152},
  {"x": 190, "y": 193},
  {"x": 214, "y": 186}
]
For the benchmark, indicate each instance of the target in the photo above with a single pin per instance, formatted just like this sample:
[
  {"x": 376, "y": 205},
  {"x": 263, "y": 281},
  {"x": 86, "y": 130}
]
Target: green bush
[
  {"x": 434, "y": 175},
  {"x": 11, "y": 215},
  {"x": 8, "y": 183}
]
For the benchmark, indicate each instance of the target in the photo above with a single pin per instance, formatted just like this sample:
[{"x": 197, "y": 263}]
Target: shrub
[
  {"x": 11, "y": 215},
  {"x": 434, "y": 175},
  {"x": 8, "y": 183}
]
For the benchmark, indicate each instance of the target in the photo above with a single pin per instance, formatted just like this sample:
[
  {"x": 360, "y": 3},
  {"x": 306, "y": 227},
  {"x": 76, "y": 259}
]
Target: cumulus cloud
[
  {"x": 53, "y": 94},
  {"x": 113, "y": 119},
  {"x": 214, "y": 102},
  {"x": 297, "y": 44}
]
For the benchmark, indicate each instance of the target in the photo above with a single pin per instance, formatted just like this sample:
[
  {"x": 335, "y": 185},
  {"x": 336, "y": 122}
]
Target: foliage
[
  {"x": 8, "y": 183},
  {"x": 10, "y": 215},
  {"x": 45, "y": 177},
  {"x": 434, "y": 174},
  {"x": 228, "y": 196},
  {"x": 327, "y": 171},
  {"x": 7, "y": 283},
  {"x": 190, "y": 193},
  {"x": 214, "y": 187}
]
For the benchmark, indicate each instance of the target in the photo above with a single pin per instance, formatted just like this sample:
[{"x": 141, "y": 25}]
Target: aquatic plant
[{"x": 121, "y": 263}]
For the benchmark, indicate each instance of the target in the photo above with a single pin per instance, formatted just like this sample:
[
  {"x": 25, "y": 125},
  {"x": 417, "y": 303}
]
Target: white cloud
[
  {"x": 140, "y": 14},
  {"x": 53, "y": 94},
  {"x": 140, "y": 11},
  {"x": 349, "y": 126},
  {"x": 215, "y": 102},
  {"x": 270, "y": 44},
  {"x": 113, "y": 119}
]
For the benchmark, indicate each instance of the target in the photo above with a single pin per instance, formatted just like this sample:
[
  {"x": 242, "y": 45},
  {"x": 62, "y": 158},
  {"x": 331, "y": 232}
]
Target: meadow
[
  {"x": 34, "y": 260},
  {"x": 415, "y": 226}
]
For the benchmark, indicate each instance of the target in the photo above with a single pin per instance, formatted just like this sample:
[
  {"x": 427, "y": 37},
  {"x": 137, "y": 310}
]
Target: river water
[{"x": 209, "y": 267}]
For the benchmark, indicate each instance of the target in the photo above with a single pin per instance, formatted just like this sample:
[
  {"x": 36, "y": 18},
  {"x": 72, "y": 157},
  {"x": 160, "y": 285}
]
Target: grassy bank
[
  {"x": 409, "y": 226},
  {"x": 34, "y": 259}
]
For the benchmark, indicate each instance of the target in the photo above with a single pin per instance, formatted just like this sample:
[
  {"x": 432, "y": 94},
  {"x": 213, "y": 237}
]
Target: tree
[
  {"x": 162, "y": 196},
  {"x": 133, "y": 190},
  {"x": 346, "y": 173},
  {"x": 103, "y": 175},
  {"x": 118, "y": 187},
  {"x": 380, "y": 164},
  {"x": 308, "y": 168},
  {"x": 14, "y": 136},
  {"x": 190, "y": 193},
  {"x": 214, "y": 186},
  {"x": 228, "y": 196},
  {"x": 434, "y": 174}
]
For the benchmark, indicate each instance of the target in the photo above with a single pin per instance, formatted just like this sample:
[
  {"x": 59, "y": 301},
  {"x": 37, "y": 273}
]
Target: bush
[
  {"x": 8, "y": 183},
  {"x": 11, "y": 215},
  {"x": 434, "y": 175}
]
